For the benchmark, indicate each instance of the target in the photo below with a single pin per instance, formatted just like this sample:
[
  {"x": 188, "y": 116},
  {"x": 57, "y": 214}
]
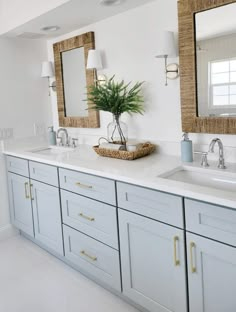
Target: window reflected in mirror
[{"x": 215, "y": 42}]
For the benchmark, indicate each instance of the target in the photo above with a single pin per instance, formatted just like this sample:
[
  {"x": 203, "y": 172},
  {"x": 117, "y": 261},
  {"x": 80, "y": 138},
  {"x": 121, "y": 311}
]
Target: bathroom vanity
[{"x": 160, "y": 243}]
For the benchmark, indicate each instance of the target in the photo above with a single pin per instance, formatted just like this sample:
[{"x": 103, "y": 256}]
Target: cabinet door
[
  {"x": 212, "y": 275},
  {"x": 153, "y": 263},
  {"x": 20, "y": 203},
  {"x": 47, "y": 215}
]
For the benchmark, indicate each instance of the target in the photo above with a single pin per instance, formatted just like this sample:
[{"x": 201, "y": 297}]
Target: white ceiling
[
  {"x": 216, "y": 22},
  {"x": 71, "y": 16}
]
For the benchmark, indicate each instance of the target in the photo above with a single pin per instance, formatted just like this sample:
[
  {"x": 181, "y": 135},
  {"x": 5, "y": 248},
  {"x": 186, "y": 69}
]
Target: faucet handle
[
  {"x": 74, "y": 142},
  {"x": 59, "y": 141},
  {"x": 204, "y": 161}
]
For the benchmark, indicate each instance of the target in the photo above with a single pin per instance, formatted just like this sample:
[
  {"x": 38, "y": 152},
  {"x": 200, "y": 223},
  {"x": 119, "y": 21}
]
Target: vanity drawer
[
  {"x": 88, "y": 185},
  {"x": 92, "y": 257},
  {"x": 44, "y": 173},
  {"x": 91, "y": 217},
  {"x": 18, "y": 165},
  {"x": 212, "y": 221},
  {"x": 153, "y": 204}
]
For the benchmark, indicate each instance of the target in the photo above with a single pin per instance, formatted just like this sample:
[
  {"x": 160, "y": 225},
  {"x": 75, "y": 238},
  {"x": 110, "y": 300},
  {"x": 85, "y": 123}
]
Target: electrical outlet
[
  {"x": 6, "y": 133},
  {"x": 39, "y": 129}
]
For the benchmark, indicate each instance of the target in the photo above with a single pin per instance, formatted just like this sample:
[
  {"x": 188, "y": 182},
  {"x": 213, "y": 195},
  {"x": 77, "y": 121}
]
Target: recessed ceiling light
[
  {"x": 50, "y": 28},
  {"x": 110, "y": 2}
]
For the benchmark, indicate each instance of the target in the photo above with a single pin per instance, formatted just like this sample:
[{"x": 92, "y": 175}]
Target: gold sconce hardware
[
  {"x": 86, "y": 217},
  {"x": 193, "y": 267},
  {"x": 176, "y": 261},
  {"x": 83, "y": 185},
  {"x": 31, "y": 191},
  {"x": 83, "y": 253},
  {"x": 26, "y": 190}
]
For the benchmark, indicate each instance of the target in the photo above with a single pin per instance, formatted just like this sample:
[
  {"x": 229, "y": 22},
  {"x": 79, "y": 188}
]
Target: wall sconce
[
  {"x": 47, "y": 72},
  {"x": 167, "y": 48},
  {"x": 94, "y": 62}
]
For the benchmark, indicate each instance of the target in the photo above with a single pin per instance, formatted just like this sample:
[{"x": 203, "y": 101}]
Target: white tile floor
[{"x": 31, "y": 280}]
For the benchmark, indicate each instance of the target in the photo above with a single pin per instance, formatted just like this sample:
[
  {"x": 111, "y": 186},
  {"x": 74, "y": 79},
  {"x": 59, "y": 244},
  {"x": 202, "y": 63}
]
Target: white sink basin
[
  {"x": 204, "y": 177},
  {"x": 52, "y": 150}
]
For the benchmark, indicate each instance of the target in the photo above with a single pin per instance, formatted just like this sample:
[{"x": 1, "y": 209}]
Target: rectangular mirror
[
  {"x": 215, "y": 33},
  {"x": 207, "y": 49},
  {"x": 74, "y": 78},
  {"x": 73, "y": 81}
]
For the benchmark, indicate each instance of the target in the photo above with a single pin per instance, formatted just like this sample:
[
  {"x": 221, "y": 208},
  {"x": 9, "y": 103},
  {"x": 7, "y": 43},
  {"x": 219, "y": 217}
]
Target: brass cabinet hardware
[
  {"x": 86, "y": 217},
  {"x": 31, "y": 191},
  {"x": 27, "y": 196},
  {"x": 84, "y": 185},
  {"x": 193, "y": 267},
  {"x": 83, "y": 253},
  {"x": 176, "y": 260}
]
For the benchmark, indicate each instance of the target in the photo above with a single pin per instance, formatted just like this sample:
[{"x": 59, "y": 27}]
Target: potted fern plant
[{"x": 116, "y": 98}]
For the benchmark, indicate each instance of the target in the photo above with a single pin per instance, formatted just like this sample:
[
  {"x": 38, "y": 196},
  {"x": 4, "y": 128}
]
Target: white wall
[
  {"x": 14, "y": 13},
  {"x": 129, "y": 42},
  {"x": 24, "y": 94},
  {"x": 24, "y": 97}
]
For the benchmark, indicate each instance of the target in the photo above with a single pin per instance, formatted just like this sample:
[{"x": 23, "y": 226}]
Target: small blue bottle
[
  {"x": 186, "y": 149},
  {"x": 51, "y": 136}
]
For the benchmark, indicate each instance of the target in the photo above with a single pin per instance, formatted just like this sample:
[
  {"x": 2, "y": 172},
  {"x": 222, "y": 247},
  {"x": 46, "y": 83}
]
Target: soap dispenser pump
[
  {"x": 186, "y": 149},
  {"x": 52, "y": 136}
]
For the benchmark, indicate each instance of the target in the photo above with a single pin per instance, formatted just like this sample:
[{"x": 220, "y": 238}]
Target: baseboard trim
[{"x": 8, "y": 231}]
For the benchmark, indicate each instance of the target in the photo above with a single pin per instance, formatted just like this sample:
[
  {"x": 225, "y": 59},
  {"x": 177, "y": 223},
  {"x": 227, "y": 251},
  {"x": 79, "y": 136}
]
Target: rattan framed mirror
[
  {"x": 73, "y": 80},
  {"x": 189, "y": 84}
]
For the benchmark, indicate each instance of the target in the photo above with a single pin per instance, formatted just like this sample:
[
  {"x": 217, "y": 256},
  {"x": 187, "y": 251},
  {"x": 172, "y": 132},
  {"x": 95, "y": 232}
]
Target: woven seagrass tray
[{"x": 144, "y": 150}]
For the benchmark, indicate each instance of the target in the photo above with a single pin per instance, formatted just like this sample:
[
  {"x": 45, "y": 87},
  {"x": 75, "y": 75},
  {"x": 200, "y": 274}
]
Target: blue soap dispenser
[
  {"x": 51, "y": 136},
  {"x": 186, "y": 149}
]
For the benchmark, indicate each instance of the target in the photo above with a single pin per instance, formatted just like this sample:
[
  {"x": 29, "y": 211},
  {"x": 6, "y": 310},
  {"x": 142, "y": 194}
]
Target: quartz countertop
[{"x": 144, "y": 172}]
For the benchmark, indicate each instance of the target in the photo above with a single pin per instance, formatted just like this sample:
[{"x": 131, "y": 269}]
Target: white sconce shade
[
  {"x": 94, "y": 60},
  {"x": 166, "y": 45},
  {"x": 47, "y": 70},
  {"x": 167, "y": 48}
]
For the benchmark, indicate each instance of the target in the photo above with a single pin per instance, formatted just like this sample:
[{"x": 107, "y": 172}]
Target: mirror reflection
[
  {"x": 74, "y": 82},
  {"x": 215, "y": 33}
]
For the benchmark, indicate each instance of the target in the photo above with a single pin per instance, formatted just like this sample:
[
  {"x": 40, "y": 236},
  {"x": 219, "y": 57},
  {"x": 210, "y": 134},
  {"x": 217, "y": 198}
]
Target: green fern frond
[{"x": 116, "y": 97}]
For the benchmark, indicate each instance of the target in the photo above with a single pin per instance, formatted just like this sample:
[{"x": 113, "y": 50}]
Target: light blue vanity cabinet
[
  {"x": 152, "y": 253},
  {"x": 95, "y": 219},
  {"x": 44, "y": 173},
  {"x": 47, "y": 215},
  {"x": 88, "y": 185},
  {"x": 92, "y": 257},
  {"x": 212, "y": 260},
  {"x": 211, "y": 275},
  {"x": 18, "y": 165},
  {"x": 90, "y": 226},
  {"x": 150, "y": 203},
  {"x": 20, "y": 203},
  {"x": 35, "y": 206}
]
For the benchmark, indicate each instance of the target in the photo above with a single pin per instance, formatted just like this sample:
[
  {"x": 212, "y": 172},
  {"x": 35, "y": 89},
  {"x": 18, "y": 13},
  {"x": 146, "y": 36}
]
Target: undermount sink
[
  {"x": 52, "y": 150},
  {"x": 203, "y": 177}
]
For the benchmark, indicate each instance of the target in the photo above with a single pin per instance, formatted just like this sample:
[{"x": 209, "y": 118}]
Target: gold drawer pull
[
  {"x": 83, "y": 253},
  {"x": 31, "y": 191},
  {"x": 176, "y": 261},
  {"x": 193, "y": 267},
  {"x": 26, "y": 190},
  {"x": 86, "y": 217},
  {"x": 84, "y": 185}
]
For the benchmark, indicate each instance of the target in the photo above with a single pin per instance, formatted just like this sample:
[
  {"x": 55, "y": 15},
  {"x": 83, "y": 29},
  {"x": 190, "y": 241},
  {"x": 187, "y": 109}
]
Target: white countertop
[{"x": 143, "y": 171}]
